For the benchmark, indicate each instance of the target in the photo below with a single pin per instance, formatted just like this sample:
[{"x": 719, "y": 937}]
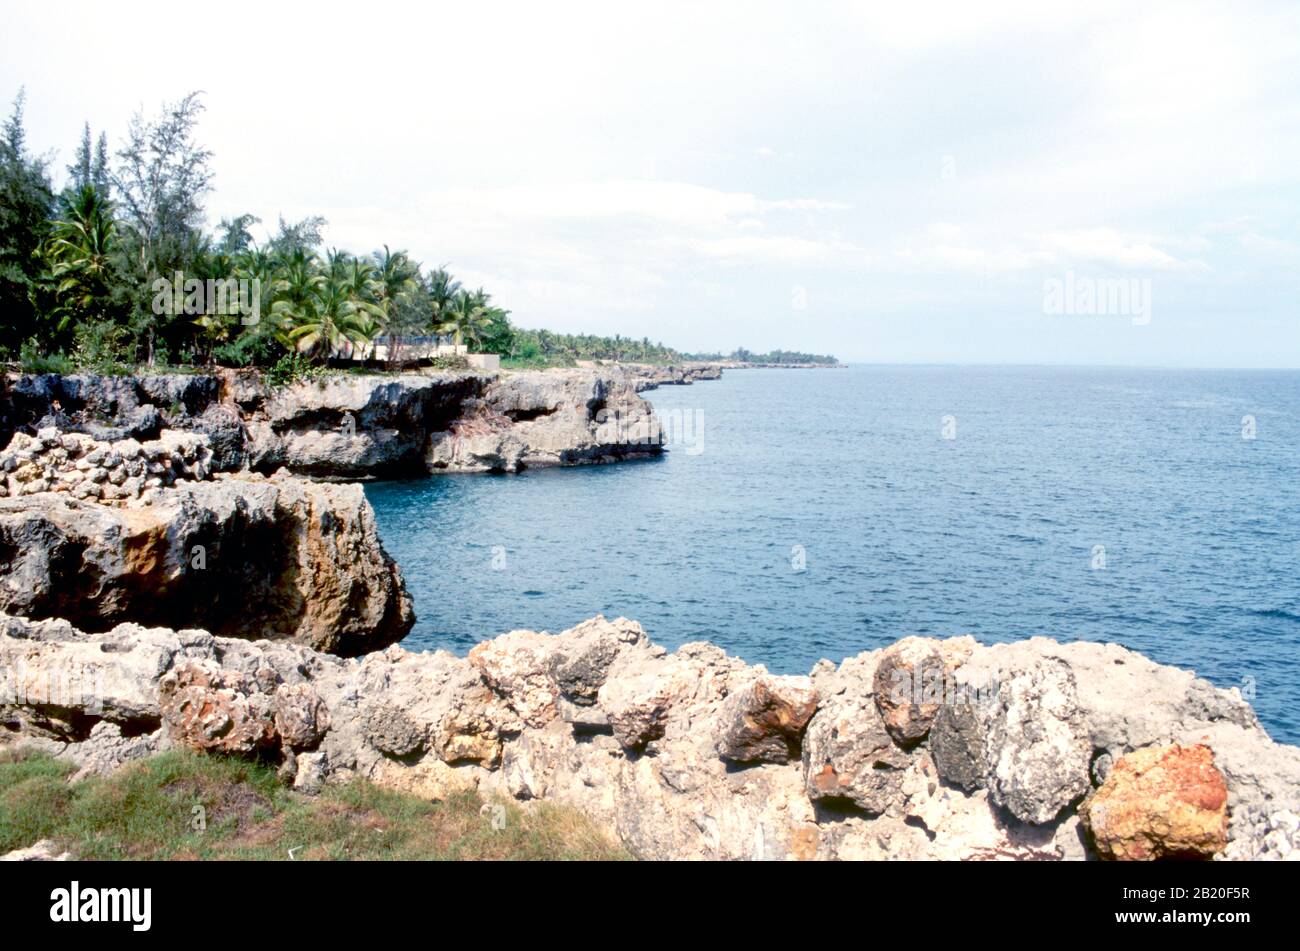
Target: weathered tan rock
[
  {"x": 45, "y": 850},
  {"x": 642, "y": 699},
  {"x": 643, "y": 761},
  {"x": 764, "y": 720},
  {"x": 517, "y": 666},
  {"x": 214, "y": 709},
  {"x": 909, "y": 688},
  {"x": 1160, "y": 802},
  {"x": 849, "y": 755},
  {"x": 239, "y": 556},
  {"x": 301, "y": 717}
]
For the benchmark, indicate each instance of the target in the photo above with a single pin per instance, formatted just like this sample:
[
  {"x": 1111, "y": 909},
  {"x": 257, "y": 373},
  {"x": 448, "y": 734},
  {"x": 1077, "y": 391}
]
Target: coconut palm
[
  {"x": 465, "y": 318},
  {"x": 81, "y": 251},
  {"x": 441, "y": 295},
  {"x": 396, "y": 279},
  {"x": 318, "y": 308}
]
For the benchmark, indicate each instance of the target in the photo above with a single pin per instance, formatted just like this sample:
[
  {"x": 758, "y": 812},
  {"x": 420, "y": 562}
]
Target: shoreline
[{"x": 692, "y": 753}]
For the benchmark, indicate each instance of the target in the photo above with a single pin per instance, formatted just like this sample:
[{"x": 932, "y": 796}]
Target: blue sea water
[{"x": 819, "y": 513}]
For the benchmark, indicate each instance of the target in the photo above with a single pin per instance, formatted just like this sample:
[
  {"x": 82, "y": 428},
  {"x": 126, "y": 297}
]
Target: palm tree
[
  {"x": 395, "y": 279},
  {"x": 441, "y": 294},
  {"x": 466, "y": 317},
  {"x": 318, "y": 309},
  {"x": 81, "y": 249}
]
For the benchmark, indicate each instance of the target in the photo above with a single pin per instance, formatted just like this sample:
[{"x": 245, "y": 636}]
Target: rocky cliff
[
  {"x": 926, "y": 749},
  {"x": 352, "y": 427},
  {"x": 100, "y": 533}
]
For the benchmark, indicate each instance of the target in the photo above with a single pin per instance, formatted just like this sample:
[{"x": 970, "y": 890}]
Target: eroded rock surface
[
  {"x": 548, "y": 418},
  {"x": 241, "y": 556},
  {"x": 1160, "y": 802},
  {"x": 344, "y": 427},
  {"x": 691, "y": 753}
]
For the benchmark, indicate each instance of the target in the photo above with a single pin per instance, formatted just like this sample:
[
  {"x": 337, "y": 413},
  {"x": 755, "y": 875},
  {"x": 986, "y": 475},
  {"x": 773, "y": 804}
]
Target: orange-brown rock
[
  {"x": 908, "y": 686},
  {"x": 764, "y": 721},
  {"x": 1160, "y": 802}
]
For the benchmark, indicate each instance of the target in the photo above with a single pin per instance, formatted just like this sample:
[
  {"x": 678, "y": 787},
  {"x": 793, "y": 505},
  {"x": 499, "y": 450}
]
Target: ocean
[{"x": 802, "y": 514}]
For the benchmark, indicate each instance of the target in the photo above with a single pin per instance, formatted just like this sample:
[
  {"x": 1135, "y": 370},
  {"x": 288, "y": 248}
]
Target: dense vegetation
[
  {"x": 741, "y": 355},
  {"x": 117, "y": 269},
  {"x": 181, "y": 805}
]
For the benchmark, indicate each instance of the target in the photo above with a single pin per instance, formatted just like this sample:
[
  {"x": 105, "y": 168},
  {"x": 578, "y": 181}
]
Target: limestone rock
[
  {"x": 582, "y": 656},
  {"x": 849, "y": 755},
  {"x": 547, "y": 418},
  {"x": 517, "y": 666},
  {"x": 391, "y": 730},
  {"x": 644, "y": 697},
  {"x": 1160, "y": 802},
  {"x": 46, "y": 850},
  {"x": 764, "y": 720},
  {"x": 643, "y": 761},
  {"x": 301, "y": 717},
  {"x": 1019, "y": 732},
  {"x": 909, "y": 687},
  {"x": 242, "y": 557},
  {"x": 213, "y": 709}
]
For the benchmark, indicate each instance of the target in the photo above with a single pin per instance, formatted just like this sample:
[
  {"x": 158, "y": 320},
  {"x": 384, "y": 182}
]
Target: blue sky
[{"x": 892, "y": 185}]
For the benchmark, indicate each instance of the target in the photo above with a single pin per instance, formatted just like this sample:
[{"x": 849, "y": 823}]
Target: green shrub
[
  {"x": 292, "y": 368},
  {"x": 102, "y": 346},
  {"x": 33, "y": 360}
]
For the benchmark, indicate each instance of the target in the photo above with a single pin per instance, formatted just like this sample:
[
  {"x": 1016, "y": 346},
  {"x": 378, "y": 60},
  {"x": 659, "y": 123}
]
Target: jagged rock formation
[
  {"x": 350, "y": 427},
  {"x": 547, "y": 418},
  {"x": 694, "y": 753},
  {"x": 86, "y": 468},
  {"x": 244, "y": 556},
  {"x": 649, "y": 376},
  {"x": 1160, "y": 802}
]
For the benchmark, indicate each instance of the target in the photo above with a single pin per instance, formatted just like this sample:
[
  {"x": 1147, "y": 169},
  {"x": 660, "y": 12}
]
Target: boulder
[
  {"x": 239, "y": 556},
  {"x": 301, "y": 717},
  {"x": 1017, "y": 731},
  {"x": 517, "y": 665},
  {"x": 650, "y": 691},
  {"x": 909, "y": 687},
  {"x": 763, "y": 722},
  {"x": 1160, "y": 802},
  {"x": 581, "y": 657},
  {"x": 212, "y": 709},
  {"x": 849, "y": 756}
]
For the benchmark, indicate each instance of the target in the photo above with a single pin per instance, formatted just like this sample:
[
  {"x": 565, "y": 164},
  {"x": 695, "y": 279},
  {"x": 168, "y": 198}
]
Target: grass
[{"x": 186, "y": 806}]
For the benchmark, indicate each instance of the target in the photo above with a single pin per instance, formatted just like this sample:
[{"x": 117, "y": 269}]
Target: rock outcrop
[
  {"x": 85, "y": 468},
  {"x": 1160, "y": 802},
  {"x": 357, "y": 427},
  {"x": 548, "y": 418},
  {"x": 695, "y": 754},
  {"x": 243, "y": 556}
]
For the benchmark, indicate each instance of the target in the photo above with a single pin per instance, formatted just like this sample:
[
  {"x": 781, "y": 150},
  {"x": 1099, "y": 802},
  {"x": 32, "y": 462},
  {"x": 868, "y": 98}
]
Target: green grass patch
[{"x": 182, "y": 805}]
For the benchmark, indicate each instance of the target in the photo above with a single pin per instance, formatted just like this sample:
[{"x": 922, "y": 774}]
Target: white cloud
[{"x": 675, "y": 170}]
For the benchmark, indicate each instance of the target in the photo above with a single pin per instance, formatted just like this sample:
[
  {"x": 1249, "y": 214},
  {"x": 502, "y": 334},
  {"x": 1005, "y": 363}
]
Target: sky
[{"x": 912, "y": 183}]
